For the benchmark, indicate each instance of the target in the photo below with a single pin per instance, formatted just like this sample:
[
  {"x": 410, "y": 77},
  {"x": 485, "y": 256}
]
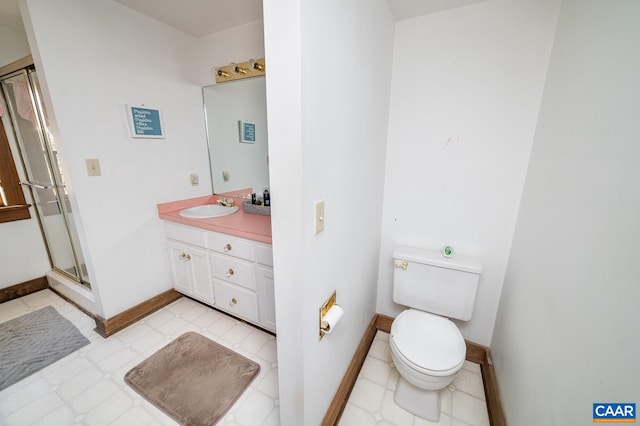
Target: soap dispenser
[{"x": 266, "y": 198}]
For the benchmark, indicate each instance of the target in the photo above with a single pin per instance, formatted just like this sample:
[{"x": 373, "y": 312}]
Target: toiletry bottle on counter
[
  {"x": 266, "y": 198},
  {"x": 253, "y": 198}
]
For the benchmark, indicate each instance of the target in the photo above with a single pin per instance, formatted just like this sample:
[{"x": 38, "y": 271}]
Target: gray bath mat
[
  {"x": 31, "y": 342},
  {"x": 193, "y": 379}
]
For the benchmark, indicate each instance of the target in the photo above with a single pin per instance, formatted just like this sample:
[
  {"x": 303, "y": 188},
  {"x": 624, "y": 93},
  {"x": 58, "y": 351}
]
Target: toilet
[{"x": 426, "y": 346}]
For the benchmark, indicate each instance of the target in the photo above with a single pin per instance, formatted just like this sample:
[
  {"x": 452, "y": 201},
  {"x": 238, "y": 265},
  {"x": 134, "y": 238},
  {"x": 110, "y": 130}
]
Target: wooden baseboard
[
  {"x": 103, "y": 327},
  {"x": 107, "y": 327},
  {"x": 23, "y": 289},
  {"x": 482, "y": 355},
  {"x": 349, "y": 380},
  {"x": 383, "y": 323},
  {"x": 494, "y": 404},
  {"x": 62, "y": 296},
  {"x": 475, "y": 353}
]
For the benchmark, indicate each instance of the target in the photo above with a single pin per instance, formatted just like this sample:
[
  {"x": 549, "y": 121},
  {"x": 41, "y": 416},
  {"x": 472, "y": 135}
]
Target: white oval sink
[{"x": 208, "y": 210}]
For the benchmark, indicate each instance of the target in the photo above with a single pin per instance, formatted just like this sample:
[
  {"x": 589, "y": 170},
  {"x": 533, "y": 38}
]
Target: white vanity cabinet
[
  {"x": 190, "y": 271},
  {"x": 239, "y": 267},
  {"x": 266, "y": 287},
  {"x": 231, "y": 273},
  {"x": 267, "y": 299},
  {"x": 189, "y": 262}
]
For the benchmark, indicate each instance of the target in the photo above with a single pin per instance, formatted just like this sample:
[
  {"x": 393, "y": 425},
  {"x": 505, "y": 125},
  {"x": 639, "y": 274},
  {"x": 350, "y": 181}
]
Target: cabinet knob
[
  {"x": 233, "y": 302},
  {"x": 230, "y": 272},
  {"x": 185, "y": 256},
  {"x": 227, "y": 248}
]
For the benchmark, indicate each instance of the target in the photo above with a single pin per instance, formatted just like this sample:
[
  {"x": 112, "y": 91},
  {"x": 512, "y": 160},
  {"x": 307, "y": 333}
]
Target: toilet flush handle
[{"x": 401, "y": 264}]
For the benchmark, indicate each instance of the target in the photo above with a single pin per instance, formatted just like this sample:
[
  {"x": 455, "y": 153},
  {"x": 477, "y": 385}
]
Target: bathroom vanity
[{"x": 225, "y": 262}]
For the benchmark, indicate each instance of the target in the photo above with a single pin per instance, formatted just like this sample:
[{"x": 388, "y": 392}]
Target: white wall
[
  {"x": 22, "y": 253},
  {"x": 467, "y": 85},
  {"x": 282, "y": 25},
  {"x": 566, "y": 335},
  {"x": 328, "y": 110},
  {"x": 95, "y": 57},
  {"x": 23, "y": 256},
  {"x": 14, "y": 45}
]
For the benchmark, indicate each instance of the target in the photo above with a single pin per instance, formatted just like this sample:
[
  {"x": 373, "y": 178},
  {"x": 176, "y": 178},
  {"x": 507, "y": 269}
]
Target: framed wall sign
[
  {"x": 145, "y": 122},
  {"x": 247, "y": 132}
]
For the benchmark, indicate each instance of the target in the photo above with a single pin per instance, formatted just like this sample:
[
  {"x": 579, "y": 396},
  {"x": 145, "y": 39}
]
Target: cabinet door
[
  {"x": 200, "y": 275},
  {"x": 264, "y": 254},
  {"x": 267, "y": 298},
  {"x": 179, "y": 265}
]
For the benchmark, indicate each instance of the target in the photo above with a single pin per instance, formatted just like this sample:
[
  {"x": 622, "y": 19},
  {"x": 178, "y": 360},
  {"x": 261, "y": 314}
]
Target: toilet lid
[{"x": 429, "y": 341}]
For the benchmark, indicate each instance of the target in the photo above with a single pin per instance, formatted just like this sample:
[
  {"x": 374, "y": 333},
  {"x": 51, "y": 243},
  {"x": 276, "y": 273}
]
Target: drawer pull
[
  {"x": 400, "y": 264},
  {"x": 230, "y": 272},
  {"x": 233, "y": 302},
  {"x": 185, "y": 256},
  {"x": 227, "y": 248}
]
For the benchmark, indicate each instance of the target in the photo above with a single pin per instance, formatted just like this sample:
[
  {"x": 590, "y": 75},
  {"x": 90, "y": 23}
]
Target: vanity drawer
[
  {"x": 197, "y": 237},
  {"x": 233, "y": 270},
  {"x": 236, "y": 300},
  {"x": 264, "y": 254},
  {"x": 232, "y": 246}
]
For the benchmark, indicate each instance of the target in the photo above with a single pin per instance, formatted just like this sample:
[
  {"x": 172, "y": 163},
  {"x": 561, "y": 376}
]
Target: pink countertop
[{"x": 241, "y": 224}]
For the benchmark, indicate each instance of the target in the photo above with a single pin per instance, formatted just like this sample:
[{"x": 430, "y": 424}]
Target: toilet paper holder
[{"x": 323, "y": 326}]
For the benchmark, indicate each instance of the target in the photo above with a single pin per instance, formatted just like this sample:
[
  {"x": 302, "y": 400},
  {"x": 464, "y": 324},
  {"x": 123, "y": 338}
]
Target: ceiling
[
  {"x": 199, "y": 17},
  {"x": 203, "y": 17},
  {"x": 403, "y": 9}
]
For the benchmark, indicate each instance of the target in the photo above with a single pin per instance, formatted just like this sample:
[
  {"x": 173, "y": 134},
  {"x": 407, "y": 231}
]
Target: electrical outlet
[
  {"x": 195, "y": 180},
  {"x": 319, "y": 216},
  {"x": 93, "y": 167}
]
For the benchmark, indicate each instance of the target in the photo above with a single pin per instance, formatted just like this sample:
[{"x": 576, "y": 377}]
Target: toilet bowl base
[{"x": 420, "y": 402}]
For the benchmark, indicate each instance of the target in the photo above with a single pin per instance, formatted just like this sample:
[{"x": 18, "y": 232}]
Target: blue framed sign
[
  {"x": 247, "y": 132},
  {"x": 145, "y": 122}
]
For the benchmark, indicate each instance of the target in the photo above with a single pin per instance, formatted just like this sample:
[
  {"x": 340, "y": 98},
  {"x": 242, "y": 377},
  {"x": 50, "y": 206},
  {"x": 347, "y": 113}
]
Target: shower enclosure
[{"x": 44, "y": 180}]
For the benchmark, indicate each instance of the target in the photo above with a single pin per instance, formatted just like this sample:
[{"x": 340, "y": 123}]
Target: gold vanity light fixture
[
  {"x": 248, "y": 69},
  {"x": 239, "y": 70}
]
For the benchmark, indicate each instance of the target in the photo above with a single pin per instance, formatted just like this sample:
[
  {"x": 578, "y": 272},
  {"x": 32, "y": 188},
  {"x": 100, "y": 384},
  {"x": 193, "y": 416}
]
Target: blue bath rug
[{"x": 31, "y": 342}]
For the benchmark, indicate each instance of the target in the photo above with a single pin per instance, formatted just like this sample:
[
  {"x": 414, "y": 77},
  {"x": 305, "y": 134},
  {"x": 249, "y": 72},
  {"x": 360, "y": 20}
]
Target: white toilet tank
[{"x": 426, "y": 280}]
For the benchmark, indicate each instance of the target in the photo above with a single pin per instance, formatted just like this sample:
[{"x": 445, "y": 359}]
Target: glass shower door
[{"x": 44, "y": 178}]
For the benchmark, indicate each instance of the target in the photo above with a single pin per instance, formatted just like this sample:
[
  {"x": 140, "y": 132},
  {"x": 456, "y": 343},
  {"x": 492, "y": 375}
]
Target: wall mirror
[{"x": 236, "y": 115}]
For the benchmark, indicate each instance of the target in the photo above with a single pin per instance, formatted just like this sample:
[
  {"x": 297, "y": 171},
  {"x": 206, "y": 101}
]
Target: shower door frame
[{"x": 57, "y": 186}]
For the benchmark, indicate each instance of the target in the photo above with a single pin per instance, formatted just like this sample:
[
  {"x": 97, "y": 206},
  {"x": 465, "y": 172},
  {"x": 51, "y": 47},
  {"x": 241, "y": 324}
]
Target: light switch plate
[
  {"x": 93, "y": 167},
  {"x": 195, "y": 179},
  {"x": 319, "y": 216}
]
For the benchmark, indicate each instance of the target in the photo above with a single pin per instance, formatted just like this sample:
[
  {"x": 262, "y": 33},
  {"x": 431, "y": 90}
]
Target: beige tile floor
[
  {"x": 371, "y": 401},
  {"x": 88, "y": 388}
]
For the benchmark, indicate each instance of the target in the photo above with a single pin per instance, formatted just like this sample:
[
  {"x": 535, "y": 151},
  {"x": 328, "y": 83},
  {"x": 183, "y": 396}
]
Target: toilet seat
[{"x": 428, "y": 343}]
